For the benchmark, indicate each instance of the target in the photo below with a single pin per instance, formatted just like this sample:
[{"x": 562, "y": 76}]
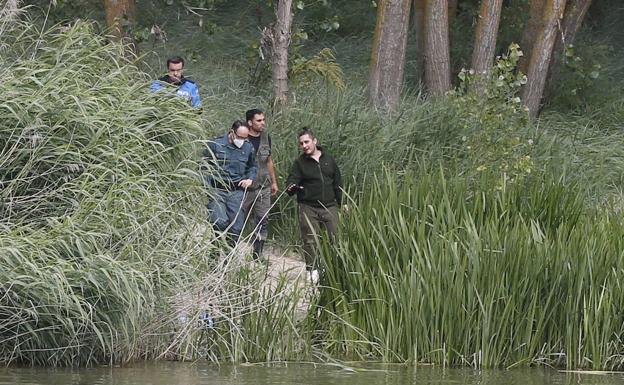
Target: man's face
[
  {"x": 307, "y": 144},
  {"x": 257, "y": 123},
  {"x": 175, "y": 71}
]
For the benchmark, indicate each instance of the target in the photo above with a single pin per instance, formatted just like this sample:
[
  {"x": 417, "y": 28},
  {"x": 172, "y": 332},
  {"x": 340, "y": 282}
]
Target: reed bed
[
  {"x": 432, "y": 269},
  {"x": 105, "y": 255},
  {"x": 105, "y": 252}
]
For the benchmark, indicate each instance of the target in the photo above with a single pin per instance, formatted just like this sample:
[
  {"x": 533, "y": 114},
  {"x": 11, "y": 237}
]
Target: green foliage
[
  {"x": 580, "y": 76},
  {"x": 452, "y": 274},
  {"x": 104, "y": 238},
  {"x": 101, "y": 208},
  {"x": 302, "y": 71},
  {"x": 494, "y": 119},
  {"x": 322, "y": 65}
]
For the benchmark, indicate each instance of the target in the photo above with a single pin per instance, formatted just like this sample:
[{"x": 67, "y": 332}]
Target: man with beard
[
  {"x": 315, "y": 178},
  {"x": 258, "y": 200}
]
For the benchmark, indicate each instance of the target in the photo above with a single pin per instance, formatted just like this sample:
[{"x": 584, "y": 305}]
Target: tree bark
[
  {"x": 281, "y": 41},
  {"x": 485, "y": 39},
  {"x": 541, "y": 56},
  {"x": 573, "y": 17},
  {"x": 121, "y": 19},
  {"x": 419, "y": 24},
  {"x": 534, "y": 25},
  {"x": 388, "y": 54},
  {"x": 437, "y": 52}
]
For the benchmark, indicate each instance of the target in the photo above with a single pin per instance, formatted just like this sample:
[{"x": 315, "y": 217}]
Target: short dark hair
[
  {"x": 175, "y": 60},
  {"x": 238, "y": 124},
  {"x": 306, "y": 131},
  {"x": 249, "y": 115}
]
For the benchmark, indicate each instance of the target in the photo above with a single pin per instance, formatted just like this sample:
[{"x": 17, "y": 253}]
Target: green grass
[
  {"x": 102, "y": 208},
  {"x": 430, "y": 269}
]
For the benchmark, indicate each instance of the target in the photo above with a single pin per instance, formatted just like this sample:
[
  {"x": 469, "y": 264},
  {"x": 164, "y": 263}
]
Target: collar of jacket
[
  {"x": 306, "y": 156},
  {"x": 167, "y": 79}
]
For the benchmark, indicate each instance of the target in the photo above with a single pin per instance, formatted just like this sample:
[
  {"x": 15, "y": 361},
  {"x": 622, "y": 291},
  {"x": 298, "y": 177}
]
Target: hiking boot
[{"x": 258, "y": 245}]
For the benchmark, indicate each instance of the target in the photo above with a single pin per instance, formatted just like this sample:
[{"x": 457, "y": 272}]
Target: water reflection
[{"x": 199, "y": 373}]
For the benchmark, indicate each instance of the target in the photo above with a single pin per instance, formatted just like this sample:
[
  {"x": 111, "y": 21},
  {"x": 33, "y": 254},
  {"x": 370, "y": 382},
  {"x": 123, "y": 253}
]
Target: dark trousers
[
  {"x": 312, "y": 220},
  {"x": 225, "y": 212},
  {"x": 257, "y": 206}
]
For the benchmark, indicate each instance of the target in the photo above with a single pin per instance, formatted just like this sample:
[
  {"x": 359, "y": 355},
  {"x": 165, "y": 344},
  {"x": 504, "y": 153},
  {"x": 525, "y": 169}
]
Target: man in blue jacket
[
  {"x": 186, "y": 88},
  {"x": 233, "y": 169}
]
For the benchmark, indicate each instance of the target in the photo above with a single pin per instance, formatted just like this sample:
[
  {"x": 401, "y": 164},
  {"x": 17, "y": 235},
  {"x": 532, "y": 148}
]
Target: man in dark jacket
[
  {"x": 233, "y": 171},
  {"x": 315, "y": 178},
  {"x": 186, "y": 88}
]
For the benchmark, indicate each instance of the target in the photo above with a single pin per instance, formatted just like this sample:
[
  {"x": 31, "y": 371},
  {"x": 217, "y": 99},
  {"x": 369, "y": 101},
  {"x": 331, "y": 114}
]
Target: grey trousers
[
  {"x": 257, "y": 205},
  {"x": 311, "y": 221}
]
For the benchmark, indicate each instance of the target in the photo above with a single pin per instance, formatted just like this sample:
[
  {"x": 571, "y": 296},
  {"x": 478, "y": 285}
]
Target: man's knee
[
  {"x": 220, "y": 224},
  {"x": 217, "y": 216}
]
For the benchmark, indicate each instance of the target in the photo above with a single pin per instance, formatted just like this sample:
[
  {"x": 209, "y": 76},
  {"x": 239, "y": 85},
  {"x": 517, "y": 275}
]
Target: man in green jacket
[{"x": 315, "y": 178}]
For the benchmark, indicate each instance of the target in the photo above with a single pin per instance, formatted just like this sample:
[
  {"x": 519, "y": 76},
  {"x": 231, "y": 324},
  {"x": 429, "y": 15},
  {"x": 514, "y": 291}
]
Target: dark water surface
[{"x": 177, "y": 373}]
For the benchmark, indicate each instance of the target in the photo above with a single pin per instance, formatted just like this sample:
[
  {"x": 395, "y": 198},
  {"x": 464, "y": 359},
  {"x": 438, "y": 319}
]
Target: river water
[{"x": 177, "y": 373}]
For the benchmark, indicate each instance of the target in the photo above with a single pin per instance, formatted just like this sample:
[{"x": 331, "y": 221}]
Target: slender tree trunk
[
  {"x": 121, "y": 19},
  {"x": 573, "y": 17},
  {"x": 437, "y": 53},
  {"x": 534, "y": 25},
  {"x": 280, "y": 42},
  {"x": 485, "y": 39},
  {"x": 388, "y": 54},
  {"x": 541, "y": 56},
  {"x": 419, "y": 24}
]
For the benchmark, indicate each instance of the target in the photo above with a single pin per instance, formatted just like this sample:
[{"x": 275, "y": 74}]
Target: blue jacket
[
  {"x": 186, "y": 89},
  {"x": 231, "y": 164}
]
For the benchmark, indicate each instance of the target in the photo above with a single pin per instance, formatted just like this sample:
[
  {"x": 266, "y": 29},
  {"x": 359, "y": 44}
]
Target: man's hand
[
  {"x": 293, "y": 187},
  {"x": 274, "y": 188},
  {"x": 245, "y": 183}
]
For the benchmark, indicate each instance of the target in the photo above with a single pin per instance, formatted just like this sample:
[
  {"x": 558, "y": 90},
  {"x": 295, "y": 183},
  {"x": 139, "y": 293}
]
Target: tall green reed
[
  {"x": 103, "y": 208},
  {"x": 430, "y": 269}
]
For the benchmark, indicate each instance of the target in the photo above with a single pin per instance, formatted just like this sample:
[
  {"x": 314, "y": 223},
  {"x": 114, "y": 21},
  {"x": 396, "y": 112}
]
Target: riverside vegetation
[{"x": 474, "y": 236}]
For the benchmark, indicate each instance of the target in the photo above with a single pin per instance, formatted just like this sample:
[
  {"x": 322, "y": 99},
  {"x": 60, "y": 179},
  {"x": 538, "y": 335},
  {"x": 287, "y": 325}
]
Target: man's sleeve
[
  {"x": 195, "y": 99},
  {"x": 208, "y": 163},
  {"x": 252, "y": 165},
  {"x": 156, "y": 85},
  {"x": 208, "y": 152},
  {"x": 337, "y": 184},
  {"x": 294, "y": 177}
]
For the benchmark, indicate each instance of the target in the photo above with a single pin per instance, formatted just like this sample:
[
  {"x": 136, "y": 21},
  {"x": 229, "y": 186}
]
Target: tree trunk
[
  {"x": 419, "y": 24},
  {"x": 485, "y": 39},
  {"x": 437, "y": 54},
  {"x": 534, "y": 25},
  {"x": 279, "y": 57},
  {"x": 573, "y": 17},
  {"x": 121, "y": 19},
  {"x": 541, "y": 56},
  {"x": 388, "y": 54}
]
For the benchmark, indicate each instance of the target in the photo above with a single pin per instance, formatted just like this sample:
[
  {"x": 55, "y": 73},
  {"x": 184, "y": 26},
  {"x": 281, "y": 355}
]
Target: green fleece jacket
[{"x": 320, "y": 181}]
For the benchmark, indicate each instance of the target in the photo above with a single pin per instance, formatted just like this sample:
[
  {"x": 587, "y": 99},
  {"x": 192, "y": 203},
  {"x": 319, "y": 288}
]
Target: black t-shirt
[{"x": 255, "y": 140}]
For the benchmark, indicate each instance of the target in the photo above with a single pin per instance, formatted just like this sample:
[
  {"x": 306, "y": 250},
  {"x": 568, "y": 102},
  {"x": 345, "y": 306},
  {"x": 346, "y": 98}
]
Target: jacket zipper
[{"x": 322, "y": 181}]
